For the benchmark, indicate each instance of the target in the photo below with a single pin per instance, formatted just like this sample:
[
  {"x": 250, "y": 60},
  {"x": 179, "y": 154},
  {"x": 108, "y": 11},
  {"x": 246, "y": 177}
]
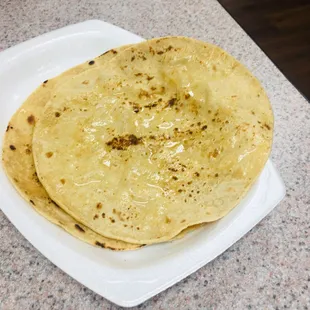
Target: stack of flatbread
[{"x": 141, "y": 144}]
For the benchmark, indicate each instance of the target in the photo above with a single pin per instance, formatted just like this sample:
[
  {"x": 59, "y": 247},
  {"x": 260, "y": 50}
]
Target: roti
[
  {"x": 170, "y": 133},
  {"x": 19, "y": 165}
]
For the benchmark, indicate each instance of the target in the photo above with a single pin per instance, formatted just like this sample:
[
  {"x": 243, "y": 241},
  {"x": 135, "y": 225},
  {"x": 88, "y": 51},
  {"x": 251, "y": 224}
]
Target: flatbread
[
  {"x": 170, "y": 133},
  {"x": 19, "y": 166}
]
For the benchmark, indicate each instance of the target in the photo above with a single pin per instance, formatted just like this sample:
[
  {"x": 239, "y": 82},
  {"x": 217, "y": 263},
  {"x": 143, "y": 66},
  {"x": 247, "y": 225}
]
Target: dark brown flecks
[
  {"x": 160, "y": 52},
  {"x": 15, "y": 180},
  {"x": 28, "y": 151},
  {"x": 216, "y": 175},
  {"x": 79, "y": 228},
  {"x": 114, "y": 52},
  {"x": 213, "y": 120},
  {"x": 190, "y": 182},
  {"x": 31, "y": 119},
  {"x": 63, "y": 181},
  {"x": 32, "y": 202},
  {"x": 12, "y": 147},
  {"x": 102, "y": 245},
  {"x": 267, "y": 126},
  {"x": 45, "y": 81},
  {"x": 197, "y": 174},
  {"x": 105, "y": 53},
  {"x": 143, "y": 58},
  {"x": 168, "y": 220},
  {"x": 123, "y": 142},
  {"x": 204, "y": 127},
  {"x": 103, "y": 215},
  {"x": 138, "y": 74},
  {"x": 49, "y": 154},
  {"x": 183, "y": 221},
  {"x": 153, "y": 88},
  {"x": 149, "y": 78},
  {"x": 171, "y": 102},
  {"x": 180, "y": 190},
  {"x": 95, "y": 216},
  {"x": 151, "y": 105},
  {"x": 99, "y": 205},
  {"x": 133, "y": 58},
  {"x": 57, "y": 114},
  {"x": 173, "y": 169},
  {"x": 91, "y": 62},
  {"x": 86, "y": 82},
  {"x": 174, "y": 178},
  {"x": 136, "y": 108}
]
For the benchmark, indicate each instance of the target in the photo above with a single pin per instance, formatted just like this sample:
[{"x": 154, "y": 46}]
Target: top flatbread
[{"x": 170, "y": 133}]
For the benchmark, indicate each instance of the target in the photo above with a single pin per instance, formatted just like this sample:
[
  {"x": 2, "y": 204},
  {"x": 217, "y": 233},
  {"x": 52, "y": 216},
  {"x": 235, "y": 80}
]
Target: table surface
[
  {"x": 269, "y": 268},
  {"x": 276, "y": 23}
]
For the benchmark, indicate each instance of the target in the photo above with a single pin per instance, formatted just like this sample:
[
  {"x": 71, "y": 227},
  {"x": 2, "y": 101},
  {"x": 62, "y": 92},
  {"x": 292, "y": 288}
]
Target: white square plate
[{"x": 125, "y": 278}]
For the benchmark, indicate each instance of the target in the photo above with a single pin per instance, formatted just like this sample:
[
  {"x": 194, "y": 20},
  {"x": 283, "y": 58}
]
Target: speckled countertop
[{"x": 269, "y": 268}]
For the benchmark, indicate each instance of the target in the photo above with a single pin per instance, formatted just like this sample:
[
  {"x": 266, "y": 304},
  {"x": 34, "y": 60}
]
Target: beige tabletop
[{"x": 269, "y": 268}]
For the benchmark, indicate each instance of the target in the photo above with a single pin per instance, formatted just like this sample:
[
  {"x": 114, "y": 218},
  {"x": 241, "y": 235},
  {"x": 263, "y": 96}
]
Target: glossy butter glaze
[{"x": 169, "y": 134}]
